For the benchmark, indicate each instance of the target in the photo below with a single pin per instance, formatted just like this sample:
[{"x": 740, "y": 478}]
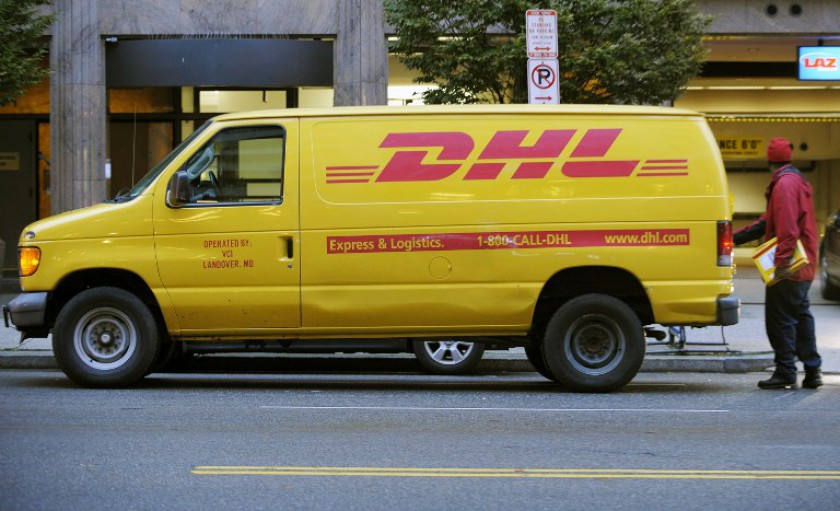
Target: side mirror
[{"x": 178, "y": 191}]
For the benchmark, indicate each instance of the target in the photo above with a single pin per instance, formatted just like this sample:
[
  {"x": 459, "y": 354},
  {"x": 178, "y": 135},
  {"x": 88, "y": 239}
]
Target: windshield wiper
[{"x": 122, "y": 196}]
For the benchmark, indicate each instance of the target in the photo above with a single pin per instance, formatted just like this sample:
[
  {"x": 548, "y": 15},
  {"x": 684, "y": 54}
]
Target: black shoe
[
  {"x": 778, "y": 381},
  {"x": 813, "y": 379}
]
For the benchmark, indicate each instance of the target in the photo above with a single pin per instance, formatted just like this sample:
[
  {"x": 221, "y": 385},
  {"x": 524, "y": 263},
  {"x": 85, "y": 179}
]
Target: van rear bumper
[{"x": 728, "y": 310}]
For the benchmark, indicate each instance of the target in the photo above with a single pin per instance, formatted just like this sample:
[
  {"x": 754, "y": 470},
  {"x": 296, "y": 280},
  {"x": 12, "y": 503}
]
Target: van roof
[{"x": 350, "y": 111}]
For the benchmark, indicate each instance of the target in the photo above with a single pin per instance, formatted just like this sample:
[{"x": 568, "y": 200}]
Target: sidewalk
[{"x": 739, "y": 348}]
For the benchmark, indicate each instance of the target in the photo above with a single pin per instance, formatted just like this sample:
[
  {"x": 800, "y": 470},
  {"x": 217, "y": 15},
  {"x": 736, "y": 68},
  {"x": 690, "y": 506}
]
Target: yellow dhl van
[{"x": 562, "y": 229}]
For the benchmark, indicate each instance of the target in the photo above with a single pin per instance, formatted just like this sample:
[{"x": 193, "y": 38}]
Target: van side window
[{"x": 239, "y": 165}]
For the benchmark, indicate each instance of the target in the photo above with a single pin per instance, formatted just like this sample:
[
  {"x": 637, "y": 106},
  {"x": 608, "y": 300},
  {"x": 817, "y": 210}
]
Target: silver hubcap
[
  {"x": 105, "y": 338},
  {"x": 594, "y": 344},
  {"x": 448, "y": 352}
]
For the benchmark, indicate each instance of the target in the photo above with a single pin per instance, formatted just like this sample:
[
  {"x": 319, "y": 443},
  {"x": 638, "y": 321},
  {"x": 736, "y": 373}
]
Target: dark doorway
[
  {"x": 18, "y": 180},
  {"x": 136, "y": 147}
]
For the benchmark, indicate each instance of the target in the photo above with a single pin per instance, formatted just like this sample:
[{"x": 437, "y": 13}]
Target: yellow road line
[{"x": 560, "y": 473}]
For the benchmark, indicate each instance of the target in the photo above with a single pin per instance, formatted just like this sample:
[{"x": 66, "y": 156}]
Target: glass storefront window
[
  {"x": 315, "y": 97},
  {"x": 148, "y": 100},
  {"x": 36, "y": 100},
  {"x": 222, "y": 101},
  {"x": 401, "y": 95}
]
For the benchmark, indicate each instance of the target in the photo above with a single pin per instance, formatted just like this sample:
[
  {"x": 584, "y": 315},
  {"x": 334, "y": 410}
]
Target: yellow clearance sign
[{"x": 741, "y": 147}]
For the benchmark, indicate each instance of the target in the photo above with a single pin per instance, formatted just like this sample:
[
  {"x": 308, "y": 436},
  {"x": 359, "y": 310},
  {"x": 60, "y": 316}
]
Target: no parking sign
[{"x": 543, "y": 86}]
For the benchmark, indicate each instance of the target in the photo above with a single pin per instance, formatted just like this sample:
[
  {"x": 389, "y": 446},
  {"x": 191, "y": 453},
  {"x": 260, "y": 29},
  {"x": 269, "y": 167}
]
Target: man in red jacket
[{"x": 787, "y": 313}]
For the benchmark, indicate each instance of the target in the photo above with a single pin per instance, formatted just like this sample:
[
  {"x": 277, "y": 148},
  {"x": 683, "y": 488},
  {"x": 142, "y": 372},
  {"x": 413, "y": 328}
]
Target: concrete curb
[
  {"x": 27, "y": 359},
  {"x": 502, "y": 362},
  {"x": 735, "y": 362}
]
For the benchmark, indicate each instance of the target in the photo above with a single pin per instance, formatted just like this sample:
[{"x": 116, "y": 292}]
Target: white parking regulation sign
[
  {"x": 541, "y": 34},
  {"x": 543, "y": 85}
]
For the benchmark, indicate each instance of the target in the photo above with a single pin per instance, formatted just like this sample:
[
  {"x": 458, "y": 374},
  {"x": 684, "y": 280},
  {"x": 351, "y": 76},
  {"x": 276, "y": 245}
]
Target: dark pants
[{"x": 790, "y": 326}]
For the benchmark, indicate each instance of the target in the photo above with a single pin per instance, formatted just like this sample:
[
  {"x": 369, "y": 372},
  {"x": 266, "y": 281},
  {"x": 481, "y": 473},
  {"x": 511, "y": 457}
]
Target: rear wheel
[
  {"x": 105, "y": 337},
  {"x": 594, "y": 343},
  {"x": 535, "y": 357},
  {"x": 448, "y": 356}
]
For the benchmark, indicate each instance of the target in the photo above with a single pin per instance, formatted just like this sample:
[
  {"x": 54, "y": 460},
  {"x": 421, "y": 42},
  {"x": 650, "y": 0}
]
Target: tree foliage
[
  {"x": 610, "y": 51},
  {"x": 22, "y": 24}
]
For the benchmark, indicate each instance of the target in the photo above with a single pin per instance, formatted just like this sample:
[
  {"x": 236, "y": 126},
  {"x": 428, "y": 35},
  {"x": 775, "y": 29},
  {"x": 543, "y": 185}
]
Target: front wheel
[
  {"x": 594, "y": 343},
  {"x": 105, "y": 337},
  {"x": 448, "y": 356}
]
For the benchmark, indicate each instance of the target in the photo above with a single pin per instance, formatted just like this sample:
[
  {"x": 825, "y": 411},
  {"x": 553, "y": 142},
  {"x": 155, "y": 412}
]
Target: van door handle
[{"x": 286, "y": 250}]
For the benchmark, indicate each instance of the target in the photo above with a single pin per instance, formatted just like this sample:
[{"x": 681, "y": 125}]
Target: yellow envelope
[{"x": 764, "y": 257}]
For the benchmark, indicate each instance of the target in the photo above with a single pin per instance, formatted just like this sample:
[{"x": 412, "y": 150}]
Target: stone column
[
  {"x": 78, "y": 106},
  {"x": 360, "y": 59}
]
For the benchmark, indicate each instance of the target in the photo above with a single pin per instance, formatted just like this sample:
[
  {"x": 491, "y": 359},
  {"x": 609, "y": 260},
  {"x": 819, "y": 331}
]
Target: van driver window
[{"x": 239, "y": 165}]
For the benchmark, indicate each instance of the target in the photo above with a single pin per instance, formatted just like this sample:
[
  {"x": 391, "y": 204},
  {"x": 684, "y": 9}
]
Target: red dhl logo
[{"x": 534, "y": 162}]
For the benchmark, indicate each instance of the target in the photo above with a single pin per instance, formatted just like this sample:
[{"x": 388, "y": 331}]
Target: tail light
[{"x": 724, "y": 243}]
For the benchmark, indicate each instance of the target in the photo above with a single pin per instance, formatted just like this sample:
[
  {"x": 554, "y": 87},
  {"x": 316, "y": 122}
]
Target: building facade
[{"x": 131, "y": 78}]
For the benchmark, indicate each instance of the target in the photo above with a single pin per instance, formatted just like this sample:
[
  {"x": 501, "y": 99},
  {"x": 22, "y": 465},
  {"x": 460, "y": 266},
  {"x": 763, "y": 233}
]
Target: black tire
[
  {"x": 535, "y": 357},
  {"x": 828, "y": 290},
  {"x": 105, "y": 337},
  {"x": 594, "y": 343},
  {"x": 448, "y": 356}
]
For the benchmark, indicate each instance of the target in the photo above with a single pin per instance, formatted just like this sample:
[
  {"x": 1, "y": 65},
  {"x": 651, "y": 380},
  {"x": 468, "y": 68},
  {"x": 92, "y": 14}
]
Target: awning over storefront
[{"x": 250, "y": 62}]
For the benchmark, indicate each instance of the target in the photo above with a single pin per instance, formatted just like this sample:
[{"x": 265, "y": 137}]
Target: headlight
[{"x": 29, "y": 259}]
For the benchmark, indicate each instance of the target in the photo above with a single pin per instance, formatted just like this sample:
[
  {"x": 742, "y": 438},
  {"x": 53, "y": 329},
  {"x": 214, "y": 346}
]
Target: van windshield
[{"x": 128, "y": 194}]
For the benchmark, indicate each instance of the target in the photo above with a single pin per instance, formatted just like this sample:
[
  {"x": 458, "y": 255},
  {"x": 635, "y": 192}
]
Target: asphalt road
[{"x": 322, "y": 441}]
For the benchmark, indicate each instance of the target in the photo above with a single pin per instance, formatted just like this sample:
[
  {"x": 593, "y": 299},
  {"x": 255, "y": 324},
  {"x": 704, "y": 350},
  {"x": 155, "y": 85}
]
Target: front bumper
[
  {"x": 28, "y": 313},
  {"x": 728, "y": 310}
]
